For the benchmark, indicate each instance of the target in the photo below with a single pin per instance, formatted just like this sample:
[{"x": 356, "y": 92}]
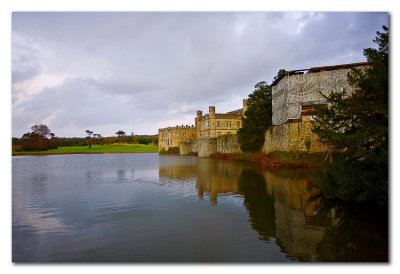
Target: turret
[
  {"x": 198, "y": 119},
  {"x": 245, "y": 105},
  {"x": 199, "y": 114},
  {"x": 211, "y": 111}
]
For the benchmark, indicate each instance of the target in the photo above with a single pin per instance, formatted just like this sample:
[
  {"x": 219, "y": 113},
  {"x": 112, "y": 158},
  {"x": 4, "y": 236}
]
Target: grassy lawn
[{"x": 96, "y": 149}]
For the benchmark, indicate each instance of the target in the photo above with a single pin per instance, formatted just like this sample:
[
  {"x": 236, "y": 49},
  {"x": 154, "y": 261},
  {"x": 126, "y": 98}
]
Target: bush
[
  {"x": 33, "y": 147},
  {"x": 144, "y": 141}
]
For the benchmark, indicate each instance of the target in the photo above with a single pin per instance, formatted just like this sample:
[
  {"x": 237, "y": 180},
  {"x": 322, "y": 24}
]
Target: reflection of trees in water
[
  {"x": 257, "y": 201},
  {"x": 361, "y": 235},
  {"x": 279, "y": 206}
]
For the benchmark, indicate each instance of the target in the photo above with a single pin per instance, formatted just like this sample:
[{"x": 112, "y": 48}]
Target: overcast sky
[{"x": 138, "y": 72}]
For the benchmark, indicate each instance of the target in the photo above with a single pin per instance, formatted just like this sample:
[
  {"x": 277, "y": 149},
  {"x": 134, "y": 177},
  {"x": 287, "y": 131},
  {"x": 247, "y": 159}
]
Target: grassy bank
[
  {"x": 278, "y": 158},
  {"x": 114, "y": 148}
]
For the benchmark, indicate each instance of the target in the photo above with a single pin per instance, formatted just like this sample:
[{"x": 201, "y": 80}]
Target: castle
[
  {"x": 210, "y": 125},
  {"x": 172, "y": 136},
  {"x": 216, "y": 124},
  {"x": 294, "y": 96}
]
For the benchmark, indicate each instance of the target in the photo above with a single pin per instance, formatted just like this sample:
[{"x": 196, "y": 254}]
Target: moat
[{"x": 151, "y": 208}]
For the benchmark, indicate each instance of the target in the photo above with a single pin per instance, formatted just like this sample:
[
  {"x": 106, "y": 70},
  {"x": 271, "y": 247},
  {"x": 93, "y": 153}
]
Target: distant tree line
[{"x": 41, "y": 138}]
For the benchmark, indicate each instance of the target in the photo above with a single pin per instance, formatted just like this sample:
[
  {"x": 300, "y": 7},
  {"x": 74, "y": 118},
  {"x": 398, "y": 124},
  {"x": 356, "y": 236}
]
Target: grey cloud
[
  {"x": 129, "y": 66},
  {"x": 22, "y": 74},
  {"x": 24, "y": 64}
]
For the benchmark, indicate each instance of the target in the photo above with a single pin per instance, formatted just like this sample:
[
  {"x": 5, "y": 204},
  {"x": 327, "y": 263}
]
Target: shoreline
[
  {"x": 266, "y": 161},
  {"x": 61, "y": 153}
]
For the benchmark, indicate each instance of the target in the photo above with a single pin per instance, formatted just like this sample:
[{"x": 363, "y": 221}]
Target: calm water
[{"x": 151, "y": 208}]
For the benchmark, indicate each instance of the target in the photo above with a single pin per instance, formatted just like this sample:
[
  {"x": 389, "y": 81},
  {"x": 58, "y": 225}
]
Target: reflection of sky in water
[{"x": 145, "y": 207}]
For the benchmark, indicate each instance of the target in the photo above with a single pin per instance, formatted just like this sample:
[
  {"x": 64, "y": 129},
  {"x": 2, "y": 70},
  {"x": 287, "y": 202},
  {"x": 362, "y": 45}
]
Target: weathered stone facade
[
  {"x": 293, "y": 100},
  {"x": 216, "y": 124},
  {"x": 185, "y": 148},
  {"x": 292, "y": 137},
  {"x": 206, "y": 146},
  {"x": 172, "y": 136},
  {"x": 299, "y": 89},
  {"x": 228, "y": 144}
]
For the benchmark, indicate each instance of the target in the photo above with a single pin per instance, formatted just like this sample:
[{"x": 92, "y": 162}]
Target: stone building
[
  {"x": 214, "y": 124},
  {"x": 293, "y": 98},
  {"x": 172, "y": 136}
]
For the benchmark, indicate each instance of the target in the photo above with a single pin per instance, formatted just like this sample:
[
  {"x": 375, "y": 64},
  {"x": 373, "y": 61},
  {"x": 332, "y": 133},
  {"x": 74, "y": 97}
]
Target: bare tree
[{"x": 42, "y": 130}]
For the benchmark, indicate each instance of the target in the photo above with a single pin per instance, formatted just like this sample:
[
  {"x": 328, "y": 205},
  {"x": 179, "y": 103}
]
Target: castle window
[
  {"x": 228, "y": 124},
  {"x": 238, "y": 124},
  {"x": 218, "y": 123},
  {"x": 208, "y": 123}
]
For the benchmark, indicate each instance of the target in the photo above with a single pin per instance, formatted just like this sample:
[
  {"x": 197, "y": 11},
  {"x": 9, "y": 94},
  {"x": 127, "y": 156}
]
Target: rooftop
[{"x": 318, "y": 69}]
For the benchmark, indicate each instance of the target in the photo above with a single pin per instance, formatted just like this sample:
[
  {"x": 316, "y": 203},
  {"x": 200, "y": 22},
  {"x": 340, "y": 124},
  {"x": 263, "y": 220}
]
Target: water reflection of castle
[{"x": 279, "y": 207}]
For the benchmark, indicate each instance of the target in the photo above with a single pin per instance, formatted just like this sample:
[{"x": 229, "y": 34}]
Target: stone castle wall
[
  {"x": 228, "y": 144},
  {"x": 217, "y": 124},
  {"x": 185, "y": 148},
  {"x": 292, "y": 137},
  {"x": 172, "y": 136},
  {"x": 290, "y": 93},
  {"x": 206, "y": 147}
]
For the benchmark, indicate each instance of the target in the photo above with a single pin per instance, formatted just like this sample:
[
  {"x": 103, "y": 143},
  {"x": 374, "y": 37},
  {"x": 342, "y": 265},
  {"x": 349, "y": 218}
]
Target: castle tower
[
  {"x": 245, "y": 105},
  {"x": 211, "y": 112},
  {"x": 198, "y": 119},
  {"x": 199, "y": 114}
]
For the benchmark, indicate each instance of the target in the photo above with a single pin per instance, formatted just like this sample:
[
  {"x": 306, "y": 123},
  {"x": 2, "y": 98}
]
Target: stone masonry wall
[
  {"x": 206, "y": 146},
  {"x": 185, "y": 148},
  {"x": 228, "y": 144},
  {"x": 292, "y": 137},
  {"x": 193, "y": 146}
]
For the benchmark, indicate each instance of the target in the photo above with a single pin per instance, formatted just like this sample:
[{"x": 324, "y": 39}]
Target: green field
[{"x": 114, "y": 148}]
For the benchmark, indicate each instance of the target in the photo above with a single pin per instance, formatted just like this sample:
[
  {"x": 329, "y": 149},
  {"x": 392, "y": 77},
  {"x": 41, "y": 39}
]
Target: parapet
[{"x": 176, "y": 127}]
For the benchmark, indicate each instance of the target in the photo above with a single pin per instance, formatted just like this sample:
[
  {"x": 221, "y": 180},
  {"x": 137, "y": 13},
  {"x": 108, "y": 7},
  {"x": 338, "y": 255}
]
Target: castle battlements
[{"x": 176, "y": 127}]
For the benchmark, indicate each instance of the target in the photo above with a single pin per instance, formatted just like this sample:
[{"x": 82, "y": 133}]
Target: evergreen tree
[
  {"x": 358, "y": 126},
  {"x": 257, "y": 118}
]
